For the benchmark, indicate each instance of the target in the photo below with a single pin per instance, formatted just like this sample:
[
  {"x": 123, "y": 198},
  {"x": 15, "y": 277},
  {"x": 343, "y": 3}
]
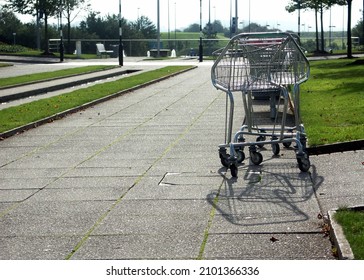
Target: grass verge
[
  {"x": 332, "y": 102},
  {"x": 11, "y": 81},
  {"x": 21, "y": 115},
  {"x": 352, "y": 222}
]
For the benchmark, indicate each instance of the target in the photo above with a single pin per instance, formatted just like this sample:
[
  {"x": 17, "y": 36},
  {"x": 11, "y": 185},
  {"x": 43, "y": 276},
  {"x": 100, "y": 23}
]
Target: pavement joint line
[
  {"x": 209, "y": 222},
  {"x": 59, "y": 115},
  {"x": 123, "y": 136},
  {"x": 130, "y": 131},
  {"x": 140, "y": 177},
  {"x": 81, "y": 129}
]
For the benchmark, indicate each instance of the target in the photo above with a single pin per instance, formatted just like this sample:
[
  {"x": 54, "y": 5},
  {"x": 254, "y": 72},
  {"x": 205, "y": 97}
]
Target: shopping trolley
[{"x": 270, "y": 65}]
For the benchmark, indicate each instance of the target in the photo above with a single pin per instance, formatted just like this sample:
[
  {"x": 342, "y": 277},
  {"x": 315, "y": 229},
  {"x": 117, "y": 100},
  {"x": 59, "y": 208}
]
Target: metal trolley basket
[{"x": 262, "y": 65}]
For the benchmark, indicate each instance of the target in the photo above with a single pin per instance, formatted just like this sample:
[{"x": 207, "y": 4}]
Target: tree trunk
[
  {"x": 46, "y": 50},
  {"x": 69, "y": 37},
  {"x": 317, "y": 31},
  {"x": 322, "y": 30},
  {"x": 349, "y": 54}
]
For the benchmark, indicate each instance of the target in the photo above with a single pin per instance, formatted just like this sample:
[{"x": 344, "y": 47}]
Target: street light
[
  {"x": 61, "y": 47},
  {"x": 158, "y": 30},
  {"x": 121, "y": 51},
  {"x": 200, "y": 47}
]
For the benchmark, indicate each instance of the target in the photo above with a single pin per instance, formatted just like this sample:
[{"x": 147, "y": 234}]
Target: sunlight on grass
[
  {"x": 332, "y": 102},
  {"x": 10, "y": 81},
  {"x": 352, "y": 223}
]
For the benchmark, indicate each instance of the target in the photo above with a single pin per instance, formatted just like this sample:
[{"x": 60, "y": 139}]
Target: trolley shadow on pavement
[{"x": 274, "y": 193}]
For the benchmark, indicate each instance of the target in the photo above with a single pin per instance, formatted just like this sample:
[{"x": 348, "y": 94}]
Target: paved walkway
[{"x": 139, "y": 177}]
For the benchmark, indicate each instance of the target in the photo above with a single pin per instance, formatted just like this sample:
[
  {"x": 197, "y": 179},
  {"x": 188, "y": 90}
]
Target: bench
[
  {"x": 162, "y": 52},
  {"x": 100, "y": 50}
]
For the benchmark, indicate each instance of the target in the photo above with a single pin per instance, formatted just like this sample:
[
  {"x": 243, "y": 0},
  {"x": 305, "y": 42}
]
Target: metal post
[
  {"x": 158, "y": 30},
  {"x": 175, "y": 26},
  {"x": 299, "y": 18},
  {"x": 200, "y": 46},
  {"x": 249, "y": 17},
  {"x": 61, "y": 47},
  {"x": 121, "y": 50},
  {"x": 362, "y": 21},
  {"x": 236, "y": 16}
]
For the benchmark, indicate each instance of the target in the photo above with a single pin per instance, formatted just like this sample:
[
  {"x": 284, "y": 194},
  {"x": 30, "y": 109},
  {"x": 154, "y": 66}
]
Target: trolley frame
[{"x": 262, "y": 65}]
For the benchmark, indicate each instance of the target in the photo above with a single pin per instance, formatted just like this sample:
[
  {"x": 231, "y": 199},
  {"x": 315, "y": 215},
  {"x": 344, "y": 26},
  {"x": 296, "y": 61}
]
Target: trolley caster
[
  {"x": 240, "y": 156},
  {"x": 303, "y": 164},
  {"x": 224, "y": 159},
  {"x": 234, "y": 170},
  {"x": 287, "y": 144},
  {"x": 256, "y": 158},
  {"x": 276, "y": 149},
  {"x": 260, "y": 139}
]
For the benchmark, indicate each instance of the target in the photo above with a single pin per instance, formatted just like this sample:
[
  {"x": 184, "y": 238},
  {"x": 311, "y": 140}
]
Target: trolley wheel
[
  {"x": 240, "y": 156},
  {"x": 303, "y": 164},
  {"x": 256, "y": 158},
  {"x": 287, "y": 144},
  {"x": 234, "y": 170},
  {"x": 224, "y": 158},
  {"x": 225, "y": 161},
  {"x": 260, "y": 139},
  {"x": 276, "y": 149}
]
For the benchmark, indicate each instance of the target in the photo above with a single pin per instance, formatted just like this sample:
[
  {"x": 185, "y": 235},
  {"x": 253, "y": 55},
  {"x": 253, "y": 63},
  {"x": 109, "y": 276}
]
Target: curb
[
  {"x": 336, "y": 148},
  {"x": 338, "y": 237}
]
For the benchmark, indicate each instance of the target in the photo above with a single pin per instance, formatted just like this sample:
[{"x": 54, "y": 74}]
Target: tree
[
  {"x": 41, "y": 8},
  {"x": 71, "y": 9},
  {"x": 358, "y": 31},
  {"x": 319, "y": 6},
  {"x": 9, "y": 24},
  {"x": 195, "y": 27},
  {"x": 144, "y": 26}
]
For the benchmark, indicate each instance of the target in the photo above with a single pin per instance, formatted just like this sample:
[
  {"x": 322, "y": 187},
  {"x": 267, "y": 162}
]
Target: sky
[
  {"x": 182, "y": 13},
  {"x": 264, "y": 12}
]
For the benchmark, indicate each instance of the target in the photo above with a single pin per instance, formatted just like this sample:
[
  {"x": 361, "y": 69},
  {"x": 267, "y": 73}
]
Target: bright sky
[
  {"x": 182, "y": 13},
  {"x": 264, "y": 12}
]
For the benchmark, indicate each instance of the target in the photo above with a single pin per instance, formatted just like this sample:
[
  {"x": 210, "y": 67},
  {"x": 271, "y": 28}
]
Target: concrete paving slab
[
  {"x": 52, "y": 218},
  {"x": 31, "y": 173},
  {"x": 140, "y": 247},
  {"x": 339, "y": 179},
  {"x": 260, "y": 246},
  {"x": 37, "y": 247},
  {"x": 15, "y": 195},
  {"x": 24, "y": 183}
]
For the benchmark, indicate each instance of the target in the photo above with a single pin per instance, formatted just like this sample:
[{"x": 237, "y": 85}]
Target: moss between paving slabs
[
  {"x": 352, "y": 222},
  {"x": 17, "y": 116},
  {"x": 332, "y": 102}
]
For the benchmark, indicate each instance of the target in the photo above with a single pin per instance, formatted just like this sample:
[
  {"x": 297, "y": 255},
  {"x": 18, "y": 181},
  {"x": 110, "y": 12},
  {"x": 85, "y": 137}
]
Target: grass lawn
[
  {"x": 332, "y": 102},
  {"x": 10, "y": 81},
  {"x": 17, "y": 116},
  {"x": 352, "y": 223}
]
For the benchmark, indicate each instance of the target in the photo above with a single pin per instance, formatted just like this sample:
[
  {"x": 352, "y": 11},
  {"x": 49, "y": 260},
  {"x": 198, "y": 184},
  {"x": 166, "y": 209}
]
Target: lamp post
[
  {"x": 175, "y": 26},
  {"x": 158, "y": 30},
  {"x": 299, "y": 18},
  {"x": 249, "y": 16},
  {"x": 121, "y": 50},
  {"x": 61, "y": 47},
  {"x": 362, "y": 20},
  {"x": 200, "y": 49}
]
